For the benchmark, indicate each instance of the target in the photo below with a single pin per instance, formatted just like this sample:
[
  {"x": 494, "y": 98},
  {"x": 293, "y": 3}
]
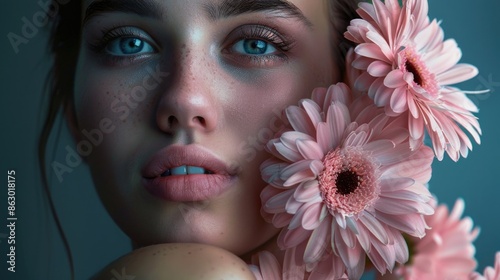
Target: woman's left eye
[
  {"x": 254, "y": 47},
  {"x": 126, "y": 46}
]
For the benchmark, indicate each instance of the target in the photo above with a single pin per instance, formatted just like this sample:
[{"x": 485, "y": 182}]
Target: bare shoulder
[{"x": 177, "y": 261}]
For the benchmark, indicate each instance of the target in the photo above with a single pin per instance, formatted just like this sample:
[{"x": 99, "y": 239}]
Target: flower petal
[
  {"x": 277, "y": 203},
  {"x": 394, "y": 79},
  {"x": 399, "y": 103},
  {"x": 379, "y": 69},
  {"x": 269, "y": 265},
  {"x": 457, "y": 74},
  {"x": 292, "y": 270},
  {"x": 306, "y": 191},
  {"x": 317, "y": 244},
  {"x": 371, "y": 50},
  {"x": 313, "y": 111},
  {"x": 309, "y": 149},
  {"x": 287, "y": 153},
  {"x": 374, "y": 226},
  {"x": 323, "y": 136},
  {"x": 338, "y": 118},
  {"x": 299, "y": 120},
  {"x": 311, "y": 219}
]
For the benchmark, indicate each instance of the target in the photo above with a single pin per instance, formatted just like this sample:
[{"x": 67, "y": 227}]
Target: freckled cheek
[
  {"x": 110, "y": 95},
  {"x": 115, "y": 108}
]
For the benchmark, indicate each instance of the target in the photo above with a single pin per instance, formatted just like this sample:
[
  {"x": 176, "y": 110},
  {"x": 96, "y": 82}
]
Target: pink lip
[{"x": 186, "y": 187}]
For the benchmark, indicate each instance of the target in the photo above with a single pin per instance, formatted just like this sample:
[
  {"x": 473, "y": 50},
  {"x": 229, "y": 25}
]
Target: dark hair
[
  {"x": 65, "y": 36},
  {"x": 341, "y": 14},
  {"x": 64, "y": 46}
]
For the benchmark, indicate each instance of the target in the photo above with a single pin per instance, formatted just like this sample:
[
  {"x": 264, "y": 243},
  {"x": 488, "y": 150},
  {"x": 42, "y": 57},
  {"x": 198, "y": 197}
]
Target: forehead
[
  {"x": 86, "y": 3},
  {"x": 311, "y": 12}
]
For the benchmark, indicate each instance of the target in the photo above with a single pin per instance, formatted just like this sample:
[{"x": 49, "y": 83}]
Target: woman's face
[{"x": 175, "y": 101}]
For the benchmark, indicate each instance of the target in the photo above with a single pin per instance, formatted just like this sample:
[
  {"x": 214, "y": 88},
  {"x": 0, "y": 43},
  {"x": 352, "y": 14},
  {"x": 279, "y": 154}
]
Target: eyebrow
[
  {"x": 144, "y": 8},
  {"x": 230, "y": 8},
  {"x": 225, "y": 9}
]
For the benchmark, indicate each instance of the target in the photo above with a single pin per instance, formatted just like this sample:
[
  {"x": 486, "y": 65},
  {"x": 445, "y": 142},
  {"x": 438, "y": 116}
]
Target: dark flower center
[
  {"x": 416, "y": 75},
  {"x": 347, "y": 182}
]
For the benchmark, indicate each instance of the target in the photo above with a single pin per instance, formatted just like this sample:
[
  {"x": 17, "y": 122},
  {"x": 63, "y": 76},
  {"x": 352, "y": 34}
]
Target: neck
[{"x": 271, "y": 246}]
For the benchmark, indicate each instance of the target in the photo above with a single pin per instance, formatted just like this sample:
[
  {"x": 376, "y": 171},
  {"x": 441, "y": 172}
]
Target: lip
[{"x": 186, "y": 187}]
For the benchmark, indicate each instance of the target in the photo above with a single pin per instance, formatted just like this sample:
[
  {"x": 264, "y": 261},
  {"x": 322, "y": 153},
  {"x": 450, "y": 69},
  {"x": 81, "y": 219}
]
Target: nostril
[
  {"x": 200, "y": 120},
  {"x": 172, "y": 121}
]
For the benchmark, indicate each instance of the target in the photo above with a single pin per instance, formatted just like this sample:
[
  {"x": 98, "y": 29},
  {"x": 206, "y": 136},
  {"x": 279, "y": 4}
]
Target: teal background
[{"x": 95, "y": 240}]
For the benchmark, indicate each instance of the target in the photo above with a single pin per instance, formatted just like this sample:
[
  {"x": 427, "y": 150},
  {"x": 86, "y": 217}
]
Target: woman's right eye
[
  {"x": 127, "y": 46},
  {"x": 123, "y": 45}
]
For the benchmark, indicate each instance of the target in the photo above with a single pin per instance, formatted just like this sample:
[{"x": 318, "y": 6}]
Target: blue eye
[
  {"x": 254, "y": 47},
  {"x": 129, "y": 46}
]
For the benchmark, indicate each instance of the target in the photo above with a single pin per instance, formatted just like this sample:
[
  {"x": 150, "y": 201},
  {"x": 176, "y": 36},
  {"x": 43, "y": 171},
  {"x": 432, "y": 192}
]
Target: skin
[
  {"x": 219, "y": 99},
  {"x": 185, "y": 261}
]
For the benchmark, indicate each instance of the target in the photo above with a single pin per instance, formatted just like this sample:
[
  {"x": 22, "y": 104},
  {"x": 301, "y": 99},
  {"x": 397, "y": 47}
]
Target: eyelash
[
  {"x": 245, "y": 32},
  {"x": 117, "y": 32},
  {"x": 265, "y": 33}
]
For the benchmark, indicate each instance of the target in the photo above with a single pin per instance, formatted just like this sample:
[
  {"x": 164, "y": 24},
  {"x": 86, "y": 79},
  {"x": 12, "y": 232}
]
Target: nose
[{"x": 189, "y": 103}]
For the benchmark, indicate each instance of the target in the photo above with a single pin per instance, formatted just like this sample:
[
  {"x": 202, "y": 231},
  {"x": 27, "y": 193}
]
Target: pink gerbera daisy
[
  {"x": 490, "y": 273},
  {"x": 408, "y": 69},
  {"x": 343, "y": 182},
  {"x": 446, "y": 252}
]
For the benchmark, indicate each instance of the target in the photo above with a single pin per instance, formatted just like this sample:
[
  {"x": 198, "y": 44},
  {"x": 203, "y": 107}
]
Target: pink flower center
[
  {"x": 348, "y": 184},
  {"x": 422, "y": 77}
]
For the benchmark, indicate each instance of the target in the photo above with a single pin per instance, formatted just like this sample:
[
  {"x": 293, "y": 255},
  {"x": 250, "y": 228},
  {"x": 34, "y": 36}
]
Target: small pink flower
[
  {"x": 344, "y": 183},
  {"x": 446, "y": 252},
  {"x": 490, "y": 273},
  {"x": 408, "y": 69}
]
